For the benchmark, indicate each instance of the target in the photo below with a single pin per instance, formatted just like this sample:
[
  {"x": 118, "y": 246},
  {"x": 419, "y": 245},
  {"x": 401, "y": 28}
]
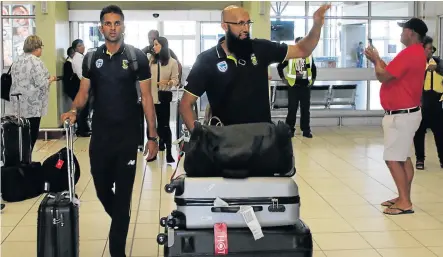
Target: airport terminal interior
[{"x": 341, "y": 174}]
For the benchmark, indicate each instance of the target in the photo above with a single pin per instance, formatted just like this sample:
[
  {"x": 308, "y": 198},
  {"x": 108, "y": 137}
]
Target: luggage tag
[
  {"x": 59, "y": 164},
  {"x": 221, "y": 239},
  {"x": 251, "y": 220}
]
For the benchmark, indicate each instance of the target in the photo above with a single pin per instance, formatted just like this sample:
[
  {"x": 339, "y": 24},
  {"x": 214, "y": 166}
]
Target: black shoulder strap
[
  {"x": 130, "y": 53},
  {"x": 91, "y": 56}
]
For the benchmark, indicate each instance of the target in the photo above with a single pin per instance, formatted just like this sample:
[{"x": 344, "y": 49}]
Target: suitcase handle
[
  {"x": 234, "y": 209},
  {"x": 70, "y": 157}
]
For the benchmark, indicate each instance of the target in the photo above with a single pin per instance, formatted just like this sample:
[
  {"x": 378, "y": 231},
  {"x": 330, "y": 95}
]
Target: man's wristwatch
[{"x": 155, "y": 139}]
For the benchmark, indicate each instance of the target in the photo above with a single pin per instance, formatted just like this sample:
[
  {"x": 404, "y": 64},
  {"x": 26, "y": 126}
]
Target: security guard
[
  {"x": 432, "y": 111},
  {"x": 113, "y": 146},
  {"x": 300, "y": 76},
  {"x": 234, "y": 73}
]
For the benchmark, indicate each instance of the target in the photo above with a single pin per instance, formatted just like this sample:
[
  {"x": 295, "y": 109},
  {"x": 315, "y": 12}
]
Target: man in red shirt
[{"x": 400, "y": 95}]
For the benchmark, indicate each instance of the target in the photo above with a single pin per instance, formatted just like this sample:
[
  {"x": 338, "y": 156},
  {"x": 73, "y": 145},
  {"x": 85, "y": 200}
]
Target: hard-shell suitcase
[
  {"x": 15, "y": 139},
  {"x": 290, "y": 241},
  {"x": 58, "y": 216},
  {"x": 275, "y": 201}
]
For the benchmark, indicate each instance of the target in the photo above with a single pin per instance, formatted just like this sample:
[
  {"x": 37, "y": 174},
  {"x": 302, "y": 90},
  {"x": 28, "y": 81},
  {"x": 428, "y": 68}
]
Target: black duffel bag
[
  {"x": 55, "y": 169},
  {"x": 240, "y": 151},
  {"x": 22, "y": 182}
]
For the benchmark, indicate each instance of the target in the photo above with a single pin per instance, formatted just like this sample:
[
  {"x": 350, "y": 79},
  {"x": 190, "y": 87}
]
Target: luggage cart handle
[{"x": 70, "y": 157}]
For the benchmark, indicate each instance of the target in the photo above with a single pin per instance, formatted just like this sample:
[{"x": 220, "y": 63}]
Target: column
[
  {"x": 53, "y": 28},
  {"x": 260, "y": 15}
]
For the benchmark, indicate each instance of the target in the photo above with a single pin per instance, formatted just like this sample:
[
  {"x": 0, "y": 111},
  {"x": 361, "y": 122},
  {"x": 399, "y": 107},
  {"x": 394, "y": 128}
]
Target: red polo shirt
[{"x": 404, "y": 91}]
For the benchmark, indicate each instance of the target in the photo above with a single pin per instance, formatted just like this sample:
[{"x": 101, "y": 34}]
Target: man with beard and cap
[
  {"x": 234, "y": 74},
  {"x": 111, "y": 74},
  {"x": 149, "y": 50}
]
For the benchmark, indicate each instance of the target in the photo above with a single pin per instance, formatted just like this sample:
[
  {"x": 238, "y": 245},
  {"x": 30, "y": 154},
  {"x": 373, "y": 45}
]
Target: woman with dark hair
[{"x": 164, "y": 76}]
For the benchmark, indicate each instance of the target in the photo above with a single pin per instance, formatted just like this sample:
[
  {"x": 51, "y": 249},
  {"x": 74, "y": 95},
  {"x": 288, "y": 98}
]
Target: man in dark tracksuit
[
  {"x": 113, "y": 146},
  {"x": 432, "y": 112},
  {"x": 299, "y": 78}
]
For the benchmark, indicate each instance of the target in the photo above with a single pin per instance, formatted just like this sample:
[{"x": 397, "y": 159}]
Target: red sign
[
  {"x": 221, "y": 238},
  {"x": 59, "y": 164}
]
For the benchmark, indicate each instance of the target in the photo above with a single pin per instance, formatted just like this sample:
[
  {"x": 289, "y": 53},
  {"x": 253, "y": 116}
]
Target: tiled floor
[{"x": 342, "y": 180}]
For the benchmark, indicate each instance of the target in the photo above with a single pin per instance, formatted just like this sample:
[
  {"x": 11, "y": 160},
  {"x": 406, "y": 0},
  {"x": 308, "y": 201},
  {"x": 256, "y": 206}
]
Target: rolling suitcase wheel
[
  {"x": 162, "y": 239},
  {"x": 169, "y": 188},
  {"x": 163, "y": 221}
]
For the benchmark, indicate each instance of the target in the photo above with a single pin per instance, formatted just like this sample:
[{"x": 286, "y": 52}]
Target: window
[
  {"x": 349, "y": 8},
  {"x": 181, "y": 37},
  {"x": 210, "y": 34},
  {"x": 90, "y": 34},
  {"x": 374, "y": 95},
  {"x": 293, "y": 8},
  {"x": 339, "y": 43},
  {"x": 18, "y": 21},
  {"x": 136, "y": 32},
  {"x": 179, "y": 28},
  {"x": 392, "y": 9},
  {"x": 385, "y": 36}
]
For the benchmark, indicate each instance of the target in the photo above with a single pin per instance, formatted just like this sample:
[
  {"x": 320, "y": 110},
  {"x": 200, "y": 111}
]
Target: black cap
[{"x": 416, "y": 25}]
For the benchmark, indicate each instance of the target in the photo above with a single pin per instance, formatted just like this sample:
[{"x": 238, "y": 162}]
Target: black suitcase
[
  {"x": 58, "y": 216},
  {"x": 15, "y": 139},
  {"x": 291, "y": 241},
  {"x": 22, "y": 182}
]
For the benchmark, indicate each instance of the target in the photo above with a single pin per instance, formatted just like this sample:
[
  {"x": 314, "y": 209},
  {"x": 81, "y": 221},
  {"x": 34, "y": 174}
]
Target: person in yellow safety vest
[
  {"x": 300, "y": 76},
  {"x": 432, "y": 112}
]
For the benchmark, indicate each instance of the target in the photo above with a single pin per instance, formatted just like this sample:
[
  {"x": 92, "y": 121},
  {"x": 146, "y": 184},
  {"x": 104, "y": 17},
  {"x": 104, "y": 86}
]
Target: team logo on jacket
[
  {"x": 125, "y": 64},
  {"x": 254, "y": 60},
  {"x": 222, "y": 66},
  {"x": 99, "y": 63}
]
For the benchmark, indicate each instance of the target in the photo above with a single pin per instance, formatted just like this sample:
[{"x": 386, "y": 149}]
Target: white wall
[{"x": 380, "y": 9}]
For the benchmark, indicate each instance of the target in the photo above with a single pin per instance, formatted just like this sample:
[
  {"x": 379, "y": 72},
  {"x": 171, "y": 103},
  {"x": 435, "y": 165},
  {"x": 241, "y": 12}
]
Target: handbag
[
  {"x": 240, "y": 151},
  {"x": 163, "y": 96}
]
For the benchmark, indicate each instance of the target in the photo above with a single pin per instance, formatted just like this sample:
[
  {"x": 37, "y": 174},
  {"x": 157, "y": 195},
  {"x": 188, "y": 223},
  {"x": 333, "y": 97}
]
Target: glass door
[{"x": 136, "y": 33}]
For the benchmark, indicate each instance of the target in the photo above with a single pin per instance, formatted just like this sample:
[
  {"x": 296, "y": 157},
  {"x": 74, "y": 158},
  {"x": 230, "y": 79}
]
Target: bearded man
[{"x": 234, "y": 73}]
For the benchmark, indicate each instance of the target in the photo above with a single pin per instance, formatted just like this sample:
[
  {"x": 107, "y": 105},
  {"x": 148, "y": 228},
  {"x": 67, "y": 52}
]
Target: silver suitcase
[{"x": 275, "y": 201}]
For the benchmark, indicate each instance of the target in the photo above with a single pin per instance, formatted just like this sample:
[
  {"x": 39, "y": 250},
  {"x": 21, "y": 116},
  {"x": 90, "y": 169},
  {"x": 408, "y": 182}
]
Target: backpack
[{"x": 6, "y": 82}]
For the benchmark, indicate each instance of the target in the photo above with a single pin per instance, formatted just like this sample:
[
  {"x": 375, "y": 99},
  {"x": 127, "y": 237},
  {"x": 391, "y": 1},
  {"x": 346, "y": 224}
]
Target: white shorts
[{"x": 399, "y": 131}]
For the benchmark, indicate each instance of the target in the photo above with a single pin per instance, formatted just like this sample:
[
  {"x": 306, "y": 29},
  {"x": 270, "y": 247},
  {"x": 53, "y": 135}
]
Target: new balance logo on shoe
[{"x": 131, "y": 162}]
